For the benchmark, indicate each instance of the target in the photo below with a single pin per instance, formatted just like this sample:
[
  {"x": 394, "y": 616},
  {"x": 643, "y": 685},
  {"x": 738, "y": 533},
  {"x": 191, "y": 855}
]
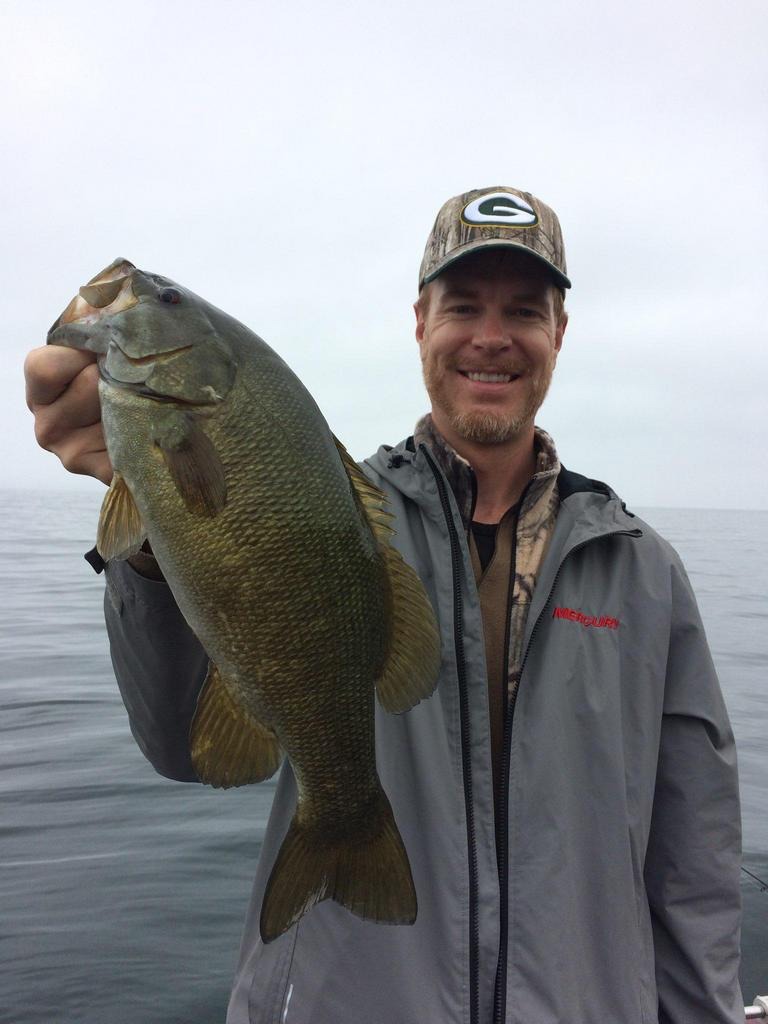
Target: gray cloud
[{"x": 287, "y": 165}]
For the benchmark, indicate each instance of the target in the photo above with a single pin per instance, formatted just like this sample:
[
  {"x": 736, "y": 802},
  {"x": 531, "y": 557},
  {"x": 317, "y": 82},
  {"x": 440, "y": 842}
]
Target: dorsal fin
[
  {"x": 413, "y": 660},
  {"x": 372, "y": 499}
]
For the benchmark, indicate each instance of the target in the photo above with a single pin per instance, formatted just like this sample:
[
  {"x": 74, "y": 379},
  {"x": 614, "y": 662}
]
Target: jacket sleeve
[
  {"x": 693, "y": 858},
  {"x": 159, "y": 664}
]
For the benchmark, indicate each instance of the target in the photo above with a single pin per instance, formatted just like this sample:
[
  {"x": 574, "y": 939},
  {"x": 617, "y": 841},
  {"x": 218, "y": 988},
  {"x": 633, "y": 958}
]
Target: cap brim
[{"x": 494, "y": 243}]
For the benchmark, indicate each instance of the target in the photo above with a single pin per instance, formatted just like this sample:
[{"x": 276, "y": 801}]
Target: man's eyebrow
[
  {"x": 459, "y": 293},
  {"x": 532, "y": 297}
]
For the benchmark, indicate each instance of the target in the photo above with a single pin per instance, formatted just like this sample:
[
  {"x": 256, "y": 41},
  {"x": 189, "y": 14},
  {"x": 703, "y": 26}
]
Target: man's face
[{"x": 489, "y": 340}]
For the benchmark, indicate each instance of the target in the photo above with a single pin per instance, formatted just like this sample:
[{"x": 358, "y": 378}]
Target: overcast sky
[{"x": 286, "y": 161}]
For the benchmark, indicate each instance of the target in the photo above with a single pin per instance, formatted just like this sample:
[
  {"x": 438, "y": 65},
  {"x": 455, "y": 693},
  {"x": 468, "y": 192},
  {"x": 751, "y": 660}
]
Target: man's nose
[{"x": 491, "y": 333}]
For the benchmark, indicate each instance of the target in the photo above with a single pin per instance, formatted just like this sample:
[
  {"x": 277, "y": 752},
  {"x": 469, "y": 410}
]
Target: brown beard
[{"x": 489, "y": 427}]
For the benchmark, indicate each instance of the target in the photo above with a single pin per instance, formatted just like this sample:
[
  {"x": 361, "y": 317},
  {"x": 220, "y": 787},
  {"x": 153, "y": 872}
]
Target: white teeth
[{"x": 491, "y": 378}]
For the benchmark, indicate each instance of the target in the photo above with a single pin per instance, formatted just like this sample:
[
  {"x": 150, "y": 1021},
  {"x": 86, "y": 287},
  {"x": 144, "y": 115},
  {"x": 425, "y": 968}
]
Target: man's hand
[{"x": 62, "y": 393}]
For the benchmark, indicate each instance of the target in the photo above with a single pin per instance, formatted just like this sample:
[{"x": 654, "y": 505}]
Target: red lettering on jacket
[{"x": 601, "y": 622}]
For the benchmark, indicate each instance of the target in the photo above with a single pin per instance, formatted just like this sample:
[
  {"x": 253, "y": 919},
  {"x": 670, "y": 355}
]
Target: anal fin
[
  {"x": 121, "y": 532},
  {"x": 229, "y": 747}
]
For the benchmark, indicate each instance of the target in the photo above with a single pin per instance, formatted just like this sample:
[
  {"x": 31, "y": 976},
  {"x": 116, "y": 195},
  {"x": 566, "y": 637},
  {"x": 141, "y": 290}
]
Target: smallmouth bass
[{"x": 276, "y": 548}]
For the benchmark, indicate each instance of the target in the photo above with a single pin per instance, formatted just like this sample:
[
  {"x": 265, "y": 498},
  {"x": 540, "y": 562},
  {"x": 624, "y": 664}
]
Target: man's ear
[
  {"x": 560, "y": 331},
  {"x": 419, "y": 321}
]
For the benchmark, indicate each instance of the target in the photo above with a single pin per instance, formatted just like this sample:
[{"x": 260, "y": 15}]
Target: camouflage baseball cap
[{"x": 494, "y": 217}]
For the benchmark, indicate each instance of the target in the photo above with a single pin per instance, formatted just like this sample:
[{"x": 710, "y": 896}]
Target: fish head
[{"x": 151, "y": 336}]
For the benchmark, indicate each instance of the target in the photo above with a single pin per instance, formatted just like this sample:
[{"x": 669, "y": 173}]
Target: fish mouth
[
  {"x": 140, "y": 386},
  {"x": 110, "y": 291},
  {"x": 155, "y": 357},
  {"x": 137, "y": 387}
]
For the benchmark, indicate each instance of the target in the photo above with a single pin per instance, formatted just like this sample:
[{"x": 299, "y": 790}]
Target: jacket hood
[{"x": 591, "y": 507}]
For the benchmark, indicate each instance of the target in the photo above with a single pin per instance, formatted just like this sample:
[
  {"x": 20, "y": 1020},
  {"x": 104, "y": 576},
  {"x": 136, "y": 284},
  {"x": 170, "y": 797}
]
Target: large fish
[{"x": 275, "y": 546}]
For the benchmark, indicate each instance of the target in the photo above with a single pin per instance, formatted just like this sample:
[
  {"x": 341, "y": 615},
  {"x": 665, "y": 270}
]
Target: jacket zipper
[
  {"x": 500, "y": 993},
  {"x": 500, "y": 819},
  {"x": 466, "y": 760}
]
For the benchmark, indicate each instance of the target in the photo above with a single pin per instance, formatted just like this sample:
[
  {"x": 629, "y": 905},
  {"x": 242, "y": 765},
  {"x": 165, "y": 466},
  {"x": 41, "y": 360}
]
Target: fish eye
[{"x": 170, "y": 295}]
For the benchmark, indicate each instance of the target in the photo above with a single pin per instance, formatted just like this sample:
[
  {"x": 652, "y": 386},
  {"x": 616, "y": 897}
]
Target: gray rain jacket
[{"x": 615, "y": 896}]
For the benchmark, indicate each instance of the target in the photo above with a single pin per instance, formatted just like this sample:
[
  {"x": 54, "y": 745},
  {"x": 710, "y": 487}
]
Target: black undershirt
[{"x": 485, "y": 539}]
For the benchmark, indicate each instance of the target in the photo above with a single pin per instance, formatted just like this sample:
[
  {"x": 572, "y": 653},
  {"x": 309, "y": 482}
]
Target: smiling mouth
[{"x": 485, "y": 377}]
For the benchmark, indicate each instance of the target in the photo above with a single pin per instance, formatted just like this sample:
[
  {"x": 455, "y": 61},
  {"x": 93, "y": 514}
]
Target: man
[{"x": 568, "y": 796}]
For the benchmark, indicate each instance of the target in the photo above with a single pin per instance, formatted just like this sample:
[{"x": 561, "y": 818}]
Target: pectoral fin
[
  {"x": 194, "y": 465},
  {"x": 410, "y": 673},
  {"x": 121, "y": 532},
  {"x": 229, "y": 747}
]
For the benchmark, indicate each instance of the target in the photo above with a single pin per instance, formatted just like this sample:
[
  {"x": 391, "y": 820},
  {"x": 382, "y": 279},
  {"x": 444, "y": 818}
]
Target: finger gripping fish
[{"x": 276, "y": 548}]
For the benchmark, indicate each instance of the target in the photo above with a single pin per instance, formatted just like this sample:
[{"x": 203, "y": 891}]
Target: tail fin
[{"x": 371, "y": 876}]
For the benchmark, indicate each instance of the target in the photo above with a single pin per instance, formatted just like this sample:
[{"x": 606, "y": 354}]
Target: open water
[{"x": 122, "y": 894}]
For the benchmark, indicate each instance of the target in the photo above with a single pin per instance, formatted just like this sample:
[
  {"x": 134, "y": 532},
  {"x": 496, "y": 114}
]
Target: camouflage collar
[{"x": 458, "y": 471}]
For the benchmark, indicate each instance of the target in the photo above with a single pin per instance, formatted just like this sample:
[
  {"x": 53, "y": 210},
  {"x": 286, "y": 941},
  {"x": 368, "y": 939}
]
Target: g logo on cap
[{"x": 499, "y": 208}]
